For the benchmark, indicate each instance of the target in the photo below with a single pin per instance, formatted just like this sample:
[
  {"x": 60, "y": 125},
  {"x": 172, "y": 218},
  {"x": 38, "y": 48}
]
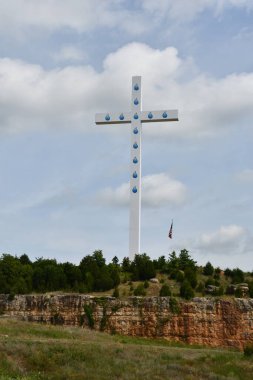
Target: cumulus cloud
[
  {"x": 32, "y": 97},
  {"x": 157, "y": 190},
  {"x": 230, "y": 239}
]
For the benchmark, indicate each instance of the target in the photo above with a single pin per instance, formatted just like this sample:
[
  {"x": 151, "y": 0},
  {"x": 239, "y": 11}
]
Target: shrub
[
  {"x": 221, "y": 291},
  {"x": 201, "y": 288},
  {"x": 146, "y": 284},
  {"x": 57, "y": 319},
  {"x": 140, "y": 290},
  {"x": 11, "y": 296},
  {"x": 180, "y": 276},
  {"x": 228, "y": 272},
  {"x": 186, "y": 290},
  {"x": 116, "y": 292},
  {"x": 89, "y": 315},
  {"x": 210, "y": 281},
  {"x": 191, "y": 277},
  {"x": 251, "y": 289},
  {"x": 173, "y": 274},
  {"x": 238, "y": 293},
  {"x": 165, "y": 291},
  {"x": 174, "y": 306},
  {"x": 248, "y": 350}
]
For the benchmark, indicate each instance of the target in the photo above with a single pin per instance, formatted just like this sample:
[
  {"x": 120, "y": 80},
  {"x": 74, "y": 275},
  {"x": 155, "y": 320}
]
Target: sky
[{"x": 65, "y": 181}]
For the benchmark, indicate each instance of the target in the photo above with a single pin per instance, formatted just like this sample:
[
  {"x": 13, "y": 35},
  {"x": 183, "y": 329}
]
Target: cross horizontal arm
[
  {"x": 113, "y": 118},
  {"x": 145, "y": 116},
  {"x": 157, "y": 116}
]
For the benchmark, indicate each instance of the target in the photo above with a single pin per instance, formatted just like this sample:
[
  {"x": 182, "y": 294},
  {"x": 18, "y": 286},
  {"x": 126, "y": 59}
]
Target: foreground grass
[{"x": 37, "y": 352}]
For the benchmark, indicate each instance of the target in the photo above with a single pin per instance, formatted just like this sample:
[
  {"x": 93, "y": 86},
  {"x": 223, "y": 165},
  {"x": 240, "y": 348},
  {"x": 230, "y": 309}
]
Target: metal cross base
[{"x": 136, "y": 117}]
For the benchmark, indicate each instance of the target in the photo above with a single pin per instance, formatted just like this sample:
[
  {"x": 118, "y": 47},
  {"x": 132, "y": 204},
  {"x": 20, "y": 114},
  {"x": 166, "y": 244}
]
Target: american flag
[{"x": 170, "y": 231}]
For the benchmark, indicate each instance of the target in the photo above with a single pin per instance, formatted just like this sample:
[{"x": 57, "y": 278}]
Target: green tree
[
  {"x": 165, "y": 291},
  {"x": 237, "y": 276},
  {"x": 186, "y": 290},
  {"x": 73, "y": 276},
  {"x": 191, "y": 275},
  {"x": 142, "y": 267},
  {"x": 185, "y": 260},
  {"x": 160, "y": 264},
  {"x": 173, "y": 262},
  {"x": 114, "y": 274},
  {"x": 98, "y": 257},
  {"x": 48, "y": 275},
  {"x": 126, "y": 264},
  {"x": 140, "y": 290},
  {"x": 115, "y": 260},
  {"x": 24, "y": 259},
  {"x": 208, "y": 269},
  {"x": 14, "y": 277}
]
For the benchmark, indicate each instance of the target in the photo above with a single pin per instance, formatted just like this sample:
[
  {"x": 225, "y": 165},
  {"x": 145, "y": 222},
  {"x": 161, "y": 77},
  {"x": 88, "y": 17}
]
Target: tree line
[{"x": 19, "y": 275}]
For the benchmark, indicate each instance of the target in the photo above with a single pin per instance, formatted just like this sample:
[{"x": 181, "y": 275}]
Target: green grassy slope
[{"x": 31, "y": 351}]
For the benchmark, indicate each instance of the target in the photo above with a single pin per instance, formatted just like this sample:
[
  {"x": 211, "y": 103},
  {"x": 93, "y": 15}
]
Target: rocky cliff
[{"x": 204, "y": 321}]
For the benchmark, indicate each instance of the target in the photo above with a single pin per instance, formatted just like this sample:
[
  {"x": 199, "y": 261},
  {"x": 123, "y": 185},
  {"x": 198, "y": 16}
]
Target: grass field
[{"x": 35, "y": 352}]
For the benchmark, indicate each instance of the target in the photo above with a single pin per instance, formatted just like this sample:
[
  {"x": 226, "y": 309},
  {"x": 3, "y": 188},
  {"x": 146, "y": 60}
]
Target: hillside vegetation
[
  {"x": 177, "y": 275},
  {"x": 39, "y": 352}
]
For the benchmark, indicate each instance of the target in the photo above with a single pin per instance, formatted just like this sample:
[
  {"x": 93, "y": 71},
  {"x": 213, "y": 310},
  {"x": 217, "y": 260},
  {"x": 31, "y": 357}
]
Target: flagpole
[{"x": 171, "y": 230}]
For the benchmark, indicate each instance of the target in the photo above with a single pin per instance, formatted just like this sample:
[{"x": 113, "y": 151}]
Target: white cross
[{"x": 136, "y": 117}]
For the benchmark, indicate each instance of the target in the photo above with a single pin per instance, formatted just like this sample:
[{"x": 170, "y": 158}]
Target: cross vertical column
[
  {"x": 135, "y": 169},
  {"x": 136, "y": 117}
]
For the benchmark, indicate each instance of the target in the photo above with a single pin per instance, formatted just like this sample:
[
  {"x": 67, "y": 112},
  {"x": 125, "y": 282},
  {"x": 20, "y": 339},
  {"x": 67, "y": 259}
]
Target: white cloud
[
  {"x": 77, "y": 15},
  {"x": 32, "y": 97},
  {"x": 83, "y": 16},
  {"x": 69, "y": 53},
  {"x": 157, "y": 190},
  {"x": 227, "y": 240},
  {"x": 52, "y": 15}
]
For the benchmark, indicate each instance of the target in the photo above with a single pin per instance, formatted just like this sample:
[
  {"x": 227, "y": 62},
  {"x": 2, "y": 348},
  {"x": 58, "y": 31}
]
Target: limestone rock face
[{"x": 204, "y": 321}]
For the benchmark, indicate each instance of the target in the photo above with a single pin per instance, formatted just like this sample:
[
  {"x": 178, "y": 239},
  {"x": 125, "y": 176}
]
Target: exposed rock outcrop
[{"x": 204, "y": 321}]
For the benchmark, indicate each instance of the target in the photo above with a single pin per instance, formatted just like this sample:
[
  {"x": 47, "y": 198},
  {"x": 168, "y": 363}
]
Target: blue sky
[{"x": 64, "y": 181}]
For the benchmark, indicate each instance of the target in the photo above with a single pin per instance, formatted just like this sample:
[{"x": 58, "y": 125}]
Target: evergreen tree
[
  {"x": 186, "y": 290},
  {"x": 208, "y": 269},
  {"x": 165, "y": 291},
  {"x": 185, "y": 260}
]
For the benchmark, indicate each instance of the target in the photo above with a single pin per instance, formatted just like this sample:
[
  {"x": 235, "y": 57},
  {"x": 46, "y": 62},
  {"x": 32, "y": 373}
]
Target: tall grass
[{"x": 39, "y": 352}]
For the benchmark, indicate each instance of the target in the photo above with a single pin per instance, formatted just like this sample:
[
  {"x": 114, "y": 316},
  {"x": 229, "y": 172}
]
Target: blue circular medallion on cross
[
  {"x": 135, "y": 175},
  {"x": 107, "y": 117},
  {"x": 134, "y": 190},
  {"x": 165, "y": 115},
  {"x": 136, "y": 101},
  {"x": 121, "y": 116},
  {"x": 136, "y": 87},
  {"x": 150, "y": 115},
  {"x": 135, "y": 161},
  {"x": 135, "y": 131},
  {"x": 135, "y": 146}
]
